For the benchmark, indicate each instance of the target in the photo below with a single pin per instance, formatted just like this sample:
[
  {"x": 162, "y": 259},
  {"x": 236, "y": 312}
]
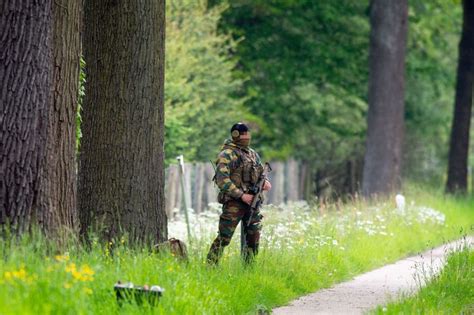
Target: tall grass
[
  {"x": 302, "y": 250},
  {"x": 450, "y": 292}
]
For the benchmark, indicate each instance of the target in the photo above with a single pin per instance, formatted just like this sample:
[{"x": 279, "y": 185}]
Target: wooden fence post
[
  {"x": 292, "y": 180},
  {"x": 199, "y": 185},
  {"x": 277, "y": 177}
]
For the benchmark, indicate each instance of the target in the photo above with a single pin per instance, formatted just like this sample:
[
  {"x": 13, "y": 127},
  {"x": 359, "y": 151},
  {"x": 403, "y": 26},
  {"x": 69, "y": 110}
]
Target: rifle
[{"x": 257, "y": 191}]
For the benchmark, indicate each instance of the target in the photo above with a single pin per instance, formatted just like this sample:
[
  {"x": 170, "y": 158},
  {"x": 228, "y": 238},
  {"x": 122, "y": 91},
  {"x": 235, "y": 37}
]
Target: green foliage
[
  {"x": 307, "y": 63},
  {"x": 199, "y": 85},
  {"x": 307, "y": 68},
  {"x": 298, "y": 72},
  {"x": 38, "y": 278},
  {"x": 433, "y": 40}
]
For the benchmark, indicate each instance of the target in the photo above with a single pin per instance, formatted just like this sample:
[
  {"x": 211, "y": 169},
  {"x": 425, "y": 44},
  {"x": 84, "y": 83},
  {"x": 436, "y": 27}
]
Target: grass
[
  {"x": 450, "y": 292},
  {"x": 303, "y": 249}
]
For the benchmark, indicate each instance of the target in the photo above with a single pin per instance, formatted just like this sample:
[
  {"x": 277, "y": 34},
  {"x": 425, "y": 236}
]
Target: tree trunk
[
  {"x": 58, "y": 211},
  {"x": 388, "y": 38},
  {"x": 121, "y": 171},
  {"x": 25, "y": 95},
  {"x": 459, "y": 145}
]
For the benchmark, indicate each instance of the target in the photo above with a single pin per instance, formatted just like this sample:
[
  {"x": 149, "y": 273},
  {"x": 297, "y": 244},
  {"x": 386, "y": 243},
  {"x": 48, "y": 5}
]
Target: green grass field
[
  {"x": 302, "y": 250},
  {"x": 450, "y": 292}
]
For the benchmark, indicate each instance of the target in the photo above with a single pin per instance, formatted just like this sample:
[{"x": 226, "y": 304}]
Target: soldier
[{"x": 238, "y": 169}]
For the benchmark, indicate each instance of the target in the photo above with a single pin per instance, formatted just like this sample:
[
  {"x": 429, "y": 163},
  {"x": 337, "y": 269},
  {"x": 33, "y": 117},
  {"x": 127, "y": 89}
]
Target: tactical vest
[{"x": 244, "y": 172}]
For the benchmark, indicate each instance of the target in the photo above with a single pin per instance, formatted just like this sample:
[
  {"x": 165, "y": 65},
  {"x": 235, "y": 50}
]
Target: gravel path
[{"x": 373, "y": 288}]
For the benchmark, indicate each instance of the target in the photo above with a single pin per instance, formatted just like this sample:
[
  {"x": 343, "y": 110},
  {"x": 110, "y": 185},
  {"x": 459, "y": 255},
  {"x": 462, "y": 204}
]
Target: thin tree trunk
[
  {"x": 121, "y": 171},
  {"x": 25, "y": 95},
  {"x": 58, "y": 211},
  {"x": 351, "y": 179},
  {"x": 459, "y": 145},
  {"x": 388, "y": 36},
  {"x": 172, "y": 190},
  {"x": 211, "y": 190}
]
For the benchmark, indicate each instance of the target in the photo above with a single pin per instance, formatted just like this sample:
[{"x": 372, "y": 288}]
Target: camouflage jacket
[{"x": 236, "y": 169}]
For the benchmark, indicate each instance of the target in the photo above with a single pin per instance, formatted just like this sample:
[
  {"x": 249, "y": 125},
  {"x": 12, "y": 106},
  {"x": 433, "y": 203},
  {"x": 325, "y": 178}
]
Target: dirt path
[{"x": 371, "y": 289}]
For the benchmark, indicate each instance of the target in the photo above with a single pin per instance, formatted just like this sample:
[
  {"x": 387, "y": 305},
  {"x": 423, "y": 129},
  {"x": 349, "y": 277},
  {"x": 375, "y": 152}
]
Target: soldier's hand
[
  {"x": 247, "y": 198},
  {"x": 267, "y": 186}
]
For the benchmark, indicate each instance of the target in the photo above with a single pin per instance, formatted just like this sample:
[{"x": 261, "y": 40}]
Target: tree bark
[
  {"x": 121, "y": 171},
  {"x": 385, "y": 119},
  {"x": 57, "y": 208},
  {"x": 25, "y": 95},
  {"x": 459, "y": 144}
]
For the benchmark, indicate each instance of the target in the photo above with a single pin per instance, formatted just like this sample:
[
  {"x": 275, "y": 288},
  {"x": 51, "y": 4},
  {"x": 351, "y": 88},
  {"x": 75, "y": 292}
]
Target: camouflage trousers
[{"x": 233, "y": 212}]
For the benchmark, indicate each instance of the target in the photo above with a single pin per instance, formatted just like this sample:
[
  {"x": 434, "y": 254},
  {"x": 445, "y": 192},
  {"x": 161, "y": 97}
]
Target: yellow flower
[
  {"x": 76, "y": 275},
  {"x": 87, "y": 270},
  {"x": 62, "y": 258},
  {"x": 19, "y": 275},
  {"x": 71, "y": 268},
  {"x": 85, "y": 273},
  {"x": 87, "y": 291},
  {"x": 7, "y": 275}
]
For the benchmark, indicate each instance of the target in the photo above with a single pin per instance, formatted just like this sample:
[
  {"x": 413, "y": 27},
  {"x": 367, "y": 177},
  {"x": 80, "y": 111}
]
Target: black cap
[{"x": 240, "y": 127}]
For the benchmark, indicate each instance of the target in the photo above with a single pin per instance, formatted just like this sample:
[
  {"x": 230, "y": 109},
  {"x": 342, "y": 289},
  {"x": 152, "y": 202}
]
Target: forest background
[
  {"x": 297, "y": 72},
  {"x": 339, "y": 87}
]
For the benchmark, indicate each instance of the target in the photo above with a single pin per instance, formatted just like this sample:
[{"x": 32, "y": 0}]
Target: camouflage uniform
[{"x": 237, "y": 170}]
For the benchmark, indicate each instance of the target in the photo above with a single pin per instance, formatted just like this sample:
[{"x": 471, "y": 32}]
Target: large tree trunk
[
  {"x": 388, "y": 37},
  {"x": 121, "y": 171},
  {"x": 58, "y": 211},
  {"x": 459, "y": 145},
  {"x": 25, "y": 95}
]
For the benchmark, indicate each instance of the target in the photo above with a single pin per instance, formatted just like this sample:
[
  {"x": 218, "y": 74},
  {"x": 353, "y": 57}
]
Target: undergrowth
[
  {"x": 302, "y": 250},
  {"x": 449, "y": 292}
]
